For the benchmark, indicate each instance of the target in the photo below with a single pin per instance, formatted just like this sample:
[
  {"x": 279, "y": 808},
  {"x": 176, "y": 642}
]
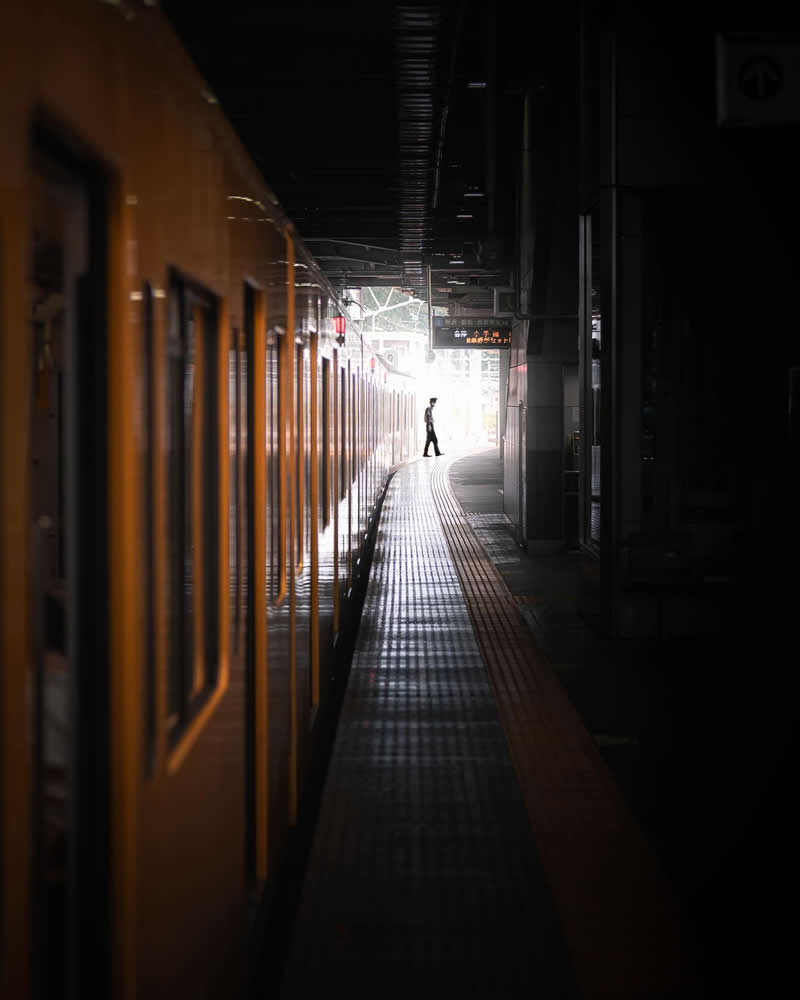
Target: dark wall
[{"x": 700, "y": 313}]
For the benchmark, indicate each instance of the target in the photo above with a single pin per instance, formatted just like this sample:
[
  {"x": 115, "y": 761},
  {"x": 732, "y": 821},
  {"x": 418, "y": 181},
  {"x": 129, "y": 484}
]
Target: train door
[{"x": 67, "y": 509}]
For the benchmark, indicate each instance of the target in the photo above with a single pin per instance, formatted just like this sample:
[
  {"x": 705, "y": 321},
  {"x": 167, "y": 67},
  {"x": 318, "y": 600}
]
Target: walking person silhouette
[{"x": 431, "y": 438}]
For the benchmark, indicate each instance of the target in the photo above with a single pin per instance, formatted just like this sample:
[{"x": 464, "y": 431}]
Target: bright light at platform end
[{"x": 465, "y": 382}]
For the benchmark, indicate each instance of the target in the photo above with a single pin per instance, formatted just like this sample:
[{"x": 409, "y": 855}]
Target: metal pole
[{"x": 430, "y": 308}]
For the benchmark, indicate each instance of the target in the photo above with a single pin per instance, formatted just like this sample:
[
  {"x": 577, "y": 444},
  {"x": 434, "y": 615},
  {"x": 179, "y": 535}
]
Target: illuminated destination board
[{"x": 486, "y": 332}]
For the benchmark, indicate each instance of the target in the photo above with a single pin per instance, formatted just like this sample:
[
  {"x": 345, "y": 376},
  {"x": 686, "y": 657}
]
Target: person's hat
[{"x": 433, "y": 399}]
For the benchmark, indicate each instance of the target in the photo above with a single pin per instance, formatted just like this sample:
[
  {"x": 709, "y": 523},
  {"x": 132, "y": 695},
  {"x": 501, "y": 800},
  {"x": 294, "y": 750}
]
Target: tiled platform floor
[
  {"x": 424, "y": 878},
  {"x": 699, "y": 731},
  {"x": 620, "y": 916}
]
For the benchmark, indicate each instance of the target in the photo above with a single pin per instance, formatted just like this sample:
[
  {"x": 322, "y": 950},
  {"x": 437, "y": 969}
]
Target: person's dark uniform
[{"x": 431, "y": 438}]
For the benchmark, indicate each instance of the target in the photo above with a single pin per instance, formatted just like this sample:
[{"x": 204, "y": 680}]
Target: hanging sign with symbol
[
  {"x": 761, "y": 78},
  {"x": 758, "y": 80}
]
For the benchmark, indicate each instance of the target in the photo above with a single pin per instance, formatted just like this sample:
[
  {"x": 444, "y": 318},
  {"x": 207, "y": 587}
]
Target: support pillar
[{"x": 544, "y": 456}]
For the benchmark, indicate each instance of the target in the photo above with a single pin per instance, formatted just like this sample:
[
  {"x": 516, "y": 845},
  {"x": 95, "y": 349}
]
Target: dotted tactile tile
[
  {"x": 424, "y": 879},
  {"x": 620, "y": 917}
]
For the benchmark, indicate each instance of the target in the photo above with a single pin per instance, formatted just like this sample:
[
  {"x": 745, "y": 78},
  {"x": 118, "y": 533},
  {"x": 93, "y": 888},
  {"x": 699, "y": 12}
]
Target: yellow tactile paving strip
[{"x": 618, "y": 912}]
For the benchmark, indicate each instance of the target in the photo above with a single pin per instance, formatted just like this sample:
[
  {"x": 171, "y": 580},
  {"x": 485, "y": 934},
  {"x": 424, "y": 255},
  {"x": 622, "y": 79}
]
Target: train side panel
[{"x": 230, "y": 453}]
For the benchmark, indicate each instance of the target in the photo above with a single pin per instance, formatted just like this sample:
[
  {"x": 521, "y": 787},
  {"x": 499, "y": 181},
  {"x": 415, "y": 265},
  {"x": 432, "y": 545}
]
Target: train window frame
[
  {"x": 58, "y": 160},
  {"x": 233, "y": 454},
  {"x": 281, "y": 364},
  {"x": 343, "y": 484},
  {"x": 326, "y": 443},
  {"x": 355, "y": 444},
  {"x": 195, "y": 682},
  {"x": 310, "y": 403},
  {"x": 299, "y": 425},
  {"x": 149, "y": 345}
]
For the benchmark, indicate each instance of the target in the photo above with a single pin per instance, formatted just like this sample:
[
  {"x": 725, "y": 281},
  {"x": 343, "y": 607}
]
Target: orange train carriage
[{"x": 190, "y": 463}]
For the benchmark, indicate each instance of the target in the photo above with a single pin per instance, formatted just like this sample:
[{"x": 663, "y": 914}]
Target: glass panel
[
  {"x": 245, "y": 470},
  {"x": 234, "y": 535},
  {"x": 300, "y": 452},
  {"x": 307, "y": 374},
  {"x": 343, "y": 436},
  {"x": 175, "y": 449},
  {"x": 274, "y": 466},
  {"x": 188, "y": 459},
  {"x": 58, "y": 256},
  {"x": 246, "y": 568},
  {"x": 193, "y": 475},
  {"x": 325, "y": 442},
  {"x": 208, "y": 513}
]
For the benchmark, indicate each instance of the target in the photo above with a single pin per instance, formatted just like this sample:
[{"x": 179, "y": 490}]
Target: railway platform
[{"x": 471, "y": 840}]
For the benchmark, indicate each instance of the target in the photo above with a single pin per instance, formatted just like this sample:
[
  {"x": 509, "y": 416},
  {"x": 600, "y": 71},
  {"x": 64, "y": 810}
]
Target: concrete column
[{"x": 544, "y": 456}]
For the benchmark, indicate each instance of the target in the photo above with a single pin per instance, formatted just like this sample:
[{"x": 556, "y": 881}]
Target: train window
[
  {"x": 307, "y": 391},
  {"x": 274, "y": 446},
  {"x": 377, "y": 403},
  {"x": 335, "y": 417},
  {"x": 343, "y": 436},
  {"x": 245, "y": 476},
  {"x": 358, "y": 430},
  {"x": 326, "y": 443},
  {"x": 355, "y": 436},
  {"x": 247, "y": 565},
  {"x": 362, "y": 428},
  {"x": 58, "y": 443},
  {"x": 234, "y": 537},
  {"x": 193, "y": 519},
  {"x": 355, "y": 427},
  {"x": 175, "y": 548},
  {"x": 300, "y": 453},
  {"x": 360, "y": 446}
]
